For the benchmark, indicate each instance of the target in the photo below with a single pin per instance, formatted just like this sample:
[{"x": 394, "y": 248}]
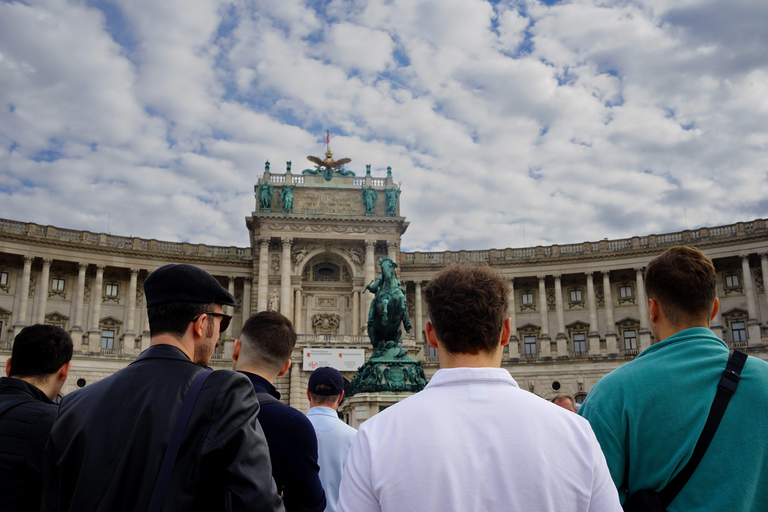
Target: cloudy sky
[{"x": 510, "y": 123}]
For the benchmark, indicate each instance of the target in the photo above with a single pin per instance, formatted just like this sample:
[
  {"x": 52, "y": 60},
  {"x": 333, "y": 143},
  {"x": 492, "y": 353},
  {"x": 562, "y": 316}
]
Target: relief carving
[
  {"x": 275, "y": 265},
  {"x": 326, "y": 323}
]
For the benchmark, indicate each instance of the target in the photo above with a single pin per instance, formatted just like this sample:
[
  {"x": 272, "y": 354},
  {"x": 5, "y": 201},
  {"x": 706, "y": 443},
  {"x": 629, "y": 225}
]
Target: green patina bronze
[
  {"x": 328, "y": 167},
  {"x": 266, "y": 191},
  {"x": 389, "y": 368},
  {"x": 287, "y": 194},
  {"x": 391, "y": 196},
  {"x": 369, "y": 199}
]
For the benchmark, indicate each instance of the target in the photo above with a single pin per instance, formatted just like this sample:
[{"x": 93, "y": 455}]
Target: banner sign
[{"x": 343, "y": 359}]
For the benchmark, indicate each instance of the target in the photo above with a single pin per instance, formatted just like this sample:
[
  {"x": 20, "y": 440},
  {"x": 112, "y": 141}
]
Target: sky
[{"x": 509, "y": 123}]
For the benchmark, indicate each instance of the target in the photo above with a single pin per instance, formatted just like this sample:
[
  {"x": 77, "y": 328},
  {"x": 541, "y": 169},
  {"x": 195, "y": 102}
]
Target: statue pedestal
[{"x": 362, "y": 406}]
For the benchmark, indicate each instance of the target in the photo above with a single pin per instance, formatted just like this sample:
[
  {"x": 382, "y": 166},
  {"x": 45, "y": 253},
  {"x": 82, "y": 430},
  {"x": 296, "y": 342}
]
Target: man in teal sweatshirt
[{"x": 648, "y": 414}]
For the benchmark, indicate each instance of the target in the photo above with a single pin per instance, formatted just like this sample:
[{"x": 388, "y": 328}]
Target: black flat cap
[
  {"x": 328, "y": 376},
  {"x": 185, "y": 283}
]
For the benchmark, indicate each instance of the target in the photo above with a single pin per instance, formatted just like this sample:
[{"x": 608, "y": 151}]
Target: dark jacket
[
  {"x": 293, "y": 449},
  {"x": 105, "y": 450},
  {"x": 24, "y": 430}
]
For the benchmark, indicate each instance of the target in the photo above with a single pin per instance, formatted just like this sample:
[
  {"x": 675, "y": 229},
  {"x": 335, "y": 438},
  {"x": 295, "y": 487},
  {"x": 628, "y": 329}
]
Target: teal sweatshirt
[{"x": 648, "y": 414}]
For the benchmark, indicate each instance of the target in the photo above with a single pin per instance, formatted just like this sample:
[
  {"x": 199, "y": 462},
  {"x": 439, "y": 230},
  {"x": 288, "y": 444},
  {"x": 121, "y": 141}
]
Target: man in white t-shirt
[{"x": 472, "y": 440}]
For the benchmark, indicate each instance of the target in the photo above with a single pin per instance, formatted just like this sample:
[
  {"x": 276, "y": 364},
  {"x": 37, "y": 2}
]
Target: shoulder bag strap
[
  {"x": 725, "y": 390},
  {"x": 169, "y": 460}
]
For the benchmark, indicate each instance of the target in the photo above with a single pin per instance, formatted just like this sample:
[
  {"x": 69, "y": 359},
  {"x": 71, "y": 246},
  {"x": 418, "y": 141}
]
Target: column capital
[
  {"x": 47, "y": 262},
  {"x": 557, "y": 276},
  {"x": 100, "y": 268},
  {"x": 392, "y": 243},
  {"x": 744, "y": 256},
  {"x": 263, "y": 242},
  {"x": 287, "y": 241},
  {"x": 541, "y": 278},
  {"x": 82, "y": 266},
  {"x": 589, "y": 274},
  {"x": 764, "y": 255},
  {"x": 28, "y": 259},
  {"x": 231, "y": 279},
  {"x": 134, "y": 271},
  {"x": 639, "y": 270},
  {"x": 606, "y": 273},
  {"x": 370, "y": 244}
]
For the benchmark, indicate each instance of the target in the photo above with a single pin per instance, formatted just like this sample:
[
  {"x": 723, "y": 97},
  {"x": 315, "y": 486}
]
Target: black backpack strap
[
  {"x": 169, "y": 460},
  {"x": 265, "y": 398},
  {"x": 725, "y": 390}
]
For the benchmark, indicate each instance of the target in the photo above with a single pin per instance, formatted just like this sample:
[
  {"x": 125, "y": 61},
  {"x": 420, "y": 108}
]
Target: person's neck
[
  {"x": 185, "y": 345},
  {"x": 47, "y": 386},
  {"x": 269, "y": 376},
  {"x": 483, "y": 359},
  {"x": 665, "y": 330}
]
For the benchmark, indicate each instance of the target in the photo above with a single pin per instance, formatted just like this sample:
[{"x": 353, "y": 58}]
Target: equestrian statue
[{"x": 388, "y": 310}]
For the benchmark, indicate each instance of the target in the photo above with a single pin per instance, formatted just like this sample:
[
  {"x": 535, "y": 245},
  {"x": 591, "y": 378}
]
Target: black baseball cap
[
  {"x": 185, "y": 283},
  {"x": 328, "y": 376}
]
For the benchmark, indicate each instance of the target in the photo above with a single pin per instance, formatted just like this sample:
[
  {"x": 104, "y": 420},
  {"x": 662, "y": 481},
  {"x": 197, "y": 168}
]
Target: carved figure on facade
[
  {"x": 326, "y": 323},
  {"x": 274, "y": 302},
  {"x": 390, "y": 197},
  {"x": 32, "y": 286},
  {"x": 56, "y": 319},
  {"x": 328, "y": 166},
  {"x": 369, "y": 199},
  {"x": 287, "y": 195},
  {"x": 388, "y": 307},
  {"x": 266, "y": 191},
  {"x": 345, "y": 276},
  {"x": 298, "y": 254},
  {"x": 355, "y": 255},
  {"x": 275, "y": 264}
]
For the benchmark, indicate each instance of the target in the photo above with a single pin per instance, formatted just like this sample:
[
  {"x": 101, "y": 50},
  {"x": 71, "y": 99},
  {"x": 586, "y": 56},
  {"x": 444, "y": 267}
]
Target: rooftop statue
[
  {"x": 369, "y": 199},
  {"x": 329, "y": 166},
  {"x": 266, "y": 192},
  {"x": 287, "y": 196},
  {"x": 390, "y": 197}
]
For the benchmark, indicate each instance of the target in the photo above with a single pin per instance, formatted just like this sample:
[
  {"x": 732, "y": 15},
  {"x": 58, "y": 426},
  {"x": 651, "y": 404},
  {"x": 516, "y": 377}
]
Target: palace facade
[{"x": 578, "y": 310}]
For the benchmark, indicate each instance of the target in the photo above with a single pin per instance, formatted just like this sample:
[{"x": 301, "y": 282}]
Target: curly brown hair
[
  {"x": 684, "y": 281},
  {"x": 467, "y": 306}
]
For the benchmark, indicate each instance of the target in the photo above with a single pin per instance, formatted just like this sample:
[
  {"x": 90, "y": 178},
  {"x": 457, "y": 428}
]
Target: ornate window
[
  {"x": 526, "y": 300},
  {"x": 628, "y": 336},
  {"x": 107, "y": 339},
  {"x": 530, "y": 345},
  {"x": 57, "y": 284},
  {"x": 110, "y": 329},
  {"x": 56, "y": 319},
  {"x": 736, "y": 322},
  {"x": 111, "y": 290},
  {"x": 3, "y": 278},
  {"x": 326, "y": 272},
  {"x": 529, "y": 335},
  {"x": 577, "y": 332},
  {"x": 732, "y": 282},
  {"x": 626, "y": 293},
  {"x": 5, "y": 318},
  {"x": 576, "y": 297}
]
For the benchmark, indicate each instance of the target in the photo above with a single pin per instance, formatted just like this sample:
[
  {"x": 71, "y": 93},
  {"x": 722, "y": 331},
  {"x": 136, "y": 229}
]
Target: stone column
[
  {"x": 297, "y": 312},
  {"x": 562, "y": 339},
  {"x": 754, "y": 336},
  {"x": 94, "y": 333},
  {"x": 261, "y": 301},
  {"x": 245, "y": 307},
  {"x": 419, "y": 325},
  {"x": 295, "y": 387},
  {"x": 514, "y": 341},
  {"x": 610, "y": 333},
  {"x": 230, "y": 310},
  {"x": 285, "y": 278},
  {"x": 594, "y": 333},
  {"x": 356, "y": 312},
  {"x": 42, "y": 289},
  {"x": 392, "y": 250},
  {"x": 79, "y": 294},
  {"x": 644, "y": 336},
  {"x": 544, "y": 338},
  {"x": 130, "y": 314},
  {"x": 369, "y": 275},
  {"x": 21, "y": 318}
]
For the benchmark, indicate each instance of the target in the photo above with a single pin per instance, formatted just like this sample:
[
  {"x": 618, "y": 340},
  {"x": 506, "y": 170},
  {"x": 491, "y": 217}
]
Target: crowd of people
[{"x": 682, "y": 427}]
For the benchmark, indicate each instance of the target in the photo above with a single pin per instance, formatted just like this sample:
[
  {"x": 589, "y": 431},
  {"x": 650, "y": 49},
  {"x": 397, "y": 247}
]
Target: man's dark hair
[
  {"x": 467, "y": 306},
  {"x": 684, "y": 281},
  {"x": 173, "y": 318},
  {"x": 270, "y": 338},
  {"x": 39, "y": 351}
]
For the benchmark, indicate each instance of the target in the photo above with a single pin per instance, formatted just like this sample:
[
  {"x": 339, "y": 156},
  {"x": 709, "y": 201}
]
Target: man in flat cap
[
  {"x": 334, "y": 437},
  {"x": 112, "y": 445}
]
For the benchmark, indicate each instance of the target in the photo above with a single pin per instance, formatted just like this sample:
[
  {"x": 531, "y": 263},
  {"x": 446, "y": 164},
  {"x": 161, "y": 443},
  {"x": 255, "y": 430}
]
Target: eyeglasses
[{"x": 225, "y": 319}]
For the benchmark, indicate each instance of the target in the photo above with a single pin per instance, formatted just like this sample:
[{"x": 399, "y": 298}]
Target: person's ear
[
  {"x": 63, "y": 372},
  {"x": 236, "y": 350},
  {"x": 341, "y": 397},
  {"x": 429, "y": 329},
  {"x": 653, "y": 310},
  {"x": 715, "y": 309},
  {"x": 285, "y": 368},
  {"x": 198, "y": 327},
  {"x": 506, "y": 331},
  {"x": 8, "y": 367}
]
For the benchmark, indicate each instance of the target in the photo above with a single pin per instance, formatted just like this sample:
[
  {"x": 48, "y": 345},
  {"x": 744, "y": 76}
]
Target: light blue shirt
[{"x": 334, "y": 437}]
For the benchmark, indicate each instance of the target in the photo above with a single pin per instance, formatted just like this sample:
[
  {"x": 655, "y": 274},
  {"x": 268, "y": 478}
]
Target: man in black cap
[
  {"x": 334, "y": 437},
  {"x": 263, "y": 353},
  {"x": 37, "y": 369},
  {"x": 109, "y": 442}
]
